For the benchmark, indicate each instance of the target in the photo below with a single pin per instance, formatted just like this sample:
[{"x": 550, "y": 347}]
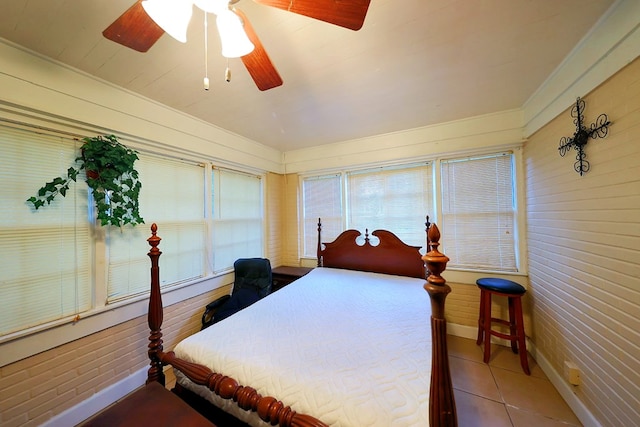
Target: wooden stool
[{"x": 505, "y": 288}]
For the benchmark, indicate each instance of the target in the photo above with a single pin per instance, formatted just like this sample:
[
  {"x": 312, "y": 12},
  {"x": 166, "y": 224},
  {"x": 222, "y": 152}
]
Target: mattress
[{"x": 350, "y": 348}]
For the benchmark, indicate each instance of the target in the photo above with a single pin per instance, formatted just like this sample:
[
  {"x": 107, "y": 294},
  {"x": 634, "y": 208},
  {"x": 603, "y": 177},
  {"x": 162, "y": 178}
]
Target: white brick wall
[
  {"x": 290, "y": 221},
  {"x": 274, "y": 202},
  {"x": 584, "y": 251},
  {"x": 37, "y": 388}
]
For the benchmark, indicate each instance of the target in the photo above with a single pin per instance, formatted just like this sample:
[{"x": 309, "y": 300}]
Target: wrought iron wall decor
[{"x": 599, "y": 129}]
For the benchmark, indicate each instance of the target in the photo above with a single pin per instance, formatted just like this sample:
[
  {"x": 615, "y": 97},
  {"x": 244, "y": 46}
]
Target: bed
[{"x": 347, "y": 345}]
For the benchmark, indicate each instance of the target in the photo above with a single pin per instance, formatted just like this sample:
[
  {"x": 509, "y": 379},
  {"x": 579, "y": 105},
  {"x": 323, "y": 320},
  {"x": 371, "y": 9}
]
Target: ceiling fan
[{"x": 137, "y": 30}]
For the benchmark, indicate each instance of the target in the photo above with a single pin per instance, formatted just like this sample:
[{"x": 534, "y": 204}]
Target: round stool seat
[
  {"x": 493, "y": 286},
  {"x": 503, "y": 286}
]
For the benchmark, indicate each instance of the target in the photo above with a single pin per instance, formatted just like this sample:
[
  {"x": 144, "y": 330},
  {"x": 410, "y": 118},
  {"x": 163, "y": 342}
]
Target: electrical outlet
[{"x": 571, "y": 373}]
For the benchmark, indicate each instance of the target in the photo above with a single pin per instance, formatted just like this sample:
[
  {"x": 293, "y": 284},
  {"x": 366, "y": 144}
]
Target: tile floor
[{"x": 499, "y": 394}]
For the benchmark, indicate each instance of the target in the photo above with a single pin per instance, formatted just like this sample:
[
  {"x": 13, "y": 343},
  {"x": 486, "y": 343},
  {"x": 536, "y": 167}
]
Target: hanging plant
[{"x": 110, "y": 173}]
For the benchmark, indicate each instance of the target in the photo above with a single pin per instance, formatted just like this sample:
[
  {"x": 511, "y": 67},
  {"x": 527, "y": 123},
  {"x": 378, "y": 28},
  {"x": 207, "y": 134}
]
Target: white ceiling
[{"x": 413, "y": 63}]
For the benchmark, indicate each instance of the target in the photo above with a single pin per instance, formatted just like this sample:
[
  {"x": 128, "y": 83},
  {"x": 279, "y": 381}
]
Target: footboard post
[
  {"x": 442, "y": 406},
  {"x": 154, "y": 318},
  {"x": 319, "y": 249}
]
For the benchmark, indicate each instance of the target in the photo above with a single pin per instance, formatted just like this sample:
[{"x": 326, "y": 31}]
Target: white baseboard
[
  {"x": 96, "y": 403},
  {"x": 564, "y": 388},
  {"x": 462, "y": 331}
]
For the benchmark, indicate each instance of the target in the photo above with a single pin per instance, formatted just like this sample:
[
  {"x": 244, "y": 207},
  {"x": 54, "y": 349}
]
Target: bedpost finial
[
  {"x": 434, "y": 237},
  {"x": 435, "y": 260},
  {"x": 427, "y": 225},
  {"x": 154, "y": 240}
]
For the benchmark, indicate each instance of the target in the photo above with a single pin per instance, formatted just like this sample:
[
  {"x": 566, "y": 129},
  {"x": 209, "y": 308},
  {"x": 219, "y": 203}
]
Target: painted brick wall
[
  {"x": 584, "y": 251},
  {"x": 35, "y": 389},
  {"x": 462, "y": 304},
  {"x": 282, "y": 219},
  {"x": 290, "y": 221},
  {"x": 274, "y": 218}
]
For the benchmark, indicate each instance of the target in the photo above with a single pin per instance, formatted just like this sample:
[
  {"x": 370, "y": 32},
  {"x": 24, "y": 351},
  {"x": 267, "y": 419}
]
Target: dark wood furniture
[
  {"x": 151, "y": 404},
  {"x": 284, "y": 275},
  {"x": 513, "y": 292},
  {"x": 390, "y": 256}
]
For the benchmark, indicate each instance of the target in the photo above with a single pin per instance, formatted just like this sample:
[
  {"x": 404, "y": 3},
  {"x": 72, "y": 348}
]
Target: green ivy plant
[{"x": 110, "y": 173}]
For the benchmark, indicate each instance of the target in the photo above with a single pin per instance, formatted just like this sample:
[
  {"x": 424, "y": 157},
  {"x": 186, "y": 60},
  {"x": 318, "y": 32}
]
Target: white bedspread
[{"x": 352, "y": 349}]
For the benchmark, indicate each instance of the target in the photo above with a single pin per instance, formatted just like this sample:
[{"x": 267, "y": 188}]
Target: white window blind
[
  {"x": 478, "y": 207},
  {"x": 237, "y": 217},
  {"x": 45, "y": 274},
  {"x": 321, "y": 198},
  {"x": 393, "y": 198},
  {"x": 172, "y": 196}
]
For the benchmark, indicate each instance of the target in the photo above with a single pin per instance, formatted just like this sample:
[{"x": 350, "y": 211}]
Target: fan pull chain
[
  {"x": 227, "y": 72},
  {"x": 206, "y": 54}
]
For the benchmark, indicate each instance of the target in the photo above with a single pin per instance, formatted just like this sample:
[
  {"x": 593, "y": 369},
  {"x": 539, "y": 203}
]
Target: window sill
[{"x": 458, "y": 275}]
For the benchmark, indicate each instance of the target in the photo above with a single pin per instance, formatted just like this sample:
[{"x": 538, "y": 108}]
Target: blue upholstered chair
[{"x": 252, "y": 282}]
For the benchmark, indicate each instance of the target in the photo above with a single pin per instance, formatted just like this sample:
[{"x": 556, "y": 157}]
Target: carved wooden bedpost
[
  {"x": 155, "y": 372},
  {"x": 319, "y": 249},
  {"x": 268, "y": 408},
  {"x": 442, "y": 406}
]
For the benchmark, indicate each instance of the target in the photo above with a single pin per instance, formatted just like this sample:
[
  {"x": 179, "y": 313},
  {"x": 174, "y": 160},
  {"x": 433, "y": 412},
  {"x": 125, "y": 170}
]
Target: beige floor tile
[
  {"x": 464, "y": 348},
  {"x": 475, "y": 411},
  {"x": 503, "y": 357},
  {"x": 521, "y": 418},
  {"x": 532, "y": 394},
  {"x": 473, "y": 377}
]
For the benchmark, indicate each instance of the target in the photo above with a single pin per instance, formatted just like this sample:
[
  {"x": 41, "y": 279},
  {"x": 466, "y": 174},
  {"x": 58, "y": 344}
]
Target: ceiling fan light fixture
[
  {"x": 234, "y": 40},
  {"x": 172, "y": 16},
  {"x": 212, "y": 6}
]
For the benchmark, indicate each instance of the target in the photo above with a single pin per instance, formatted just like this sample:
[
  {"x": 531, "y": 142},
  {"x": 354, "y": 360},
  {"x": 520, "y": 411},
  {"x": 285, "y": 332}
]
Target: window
[
  {"x": 45, "y": 274},
  {"x": 475, "y": 207},
  {"x": 478, "y": 213},
  {"x": 172, "y": 196},
  {"x": 322, "y": 198},
  {"x": 237, "y": 217},
  {"x": 396, "y": 198}
]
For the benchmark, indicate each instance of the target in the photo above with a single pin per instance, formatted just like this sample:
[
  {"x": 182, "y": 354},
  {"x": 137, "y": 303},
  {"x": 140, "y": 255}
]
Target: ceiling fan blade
[
  {"x": 344, "y": 13},
  {"x": 134, "y": 29},
  {"x": 258, "y": 63}
]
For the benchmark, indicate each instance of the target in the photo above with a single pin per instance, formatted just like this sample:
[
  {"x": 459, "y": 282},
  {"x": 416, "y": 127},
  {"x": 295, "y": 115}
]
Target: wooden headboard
[{"x": 390, "y": 256}]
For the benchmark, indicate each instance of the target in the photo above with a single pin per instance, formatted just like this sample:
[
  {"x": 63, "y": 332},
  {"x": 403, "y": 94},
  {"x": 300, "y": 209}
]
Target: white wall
[
  {"x": 43, "y": 92},
  {"x": 584, "y": 254}
]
